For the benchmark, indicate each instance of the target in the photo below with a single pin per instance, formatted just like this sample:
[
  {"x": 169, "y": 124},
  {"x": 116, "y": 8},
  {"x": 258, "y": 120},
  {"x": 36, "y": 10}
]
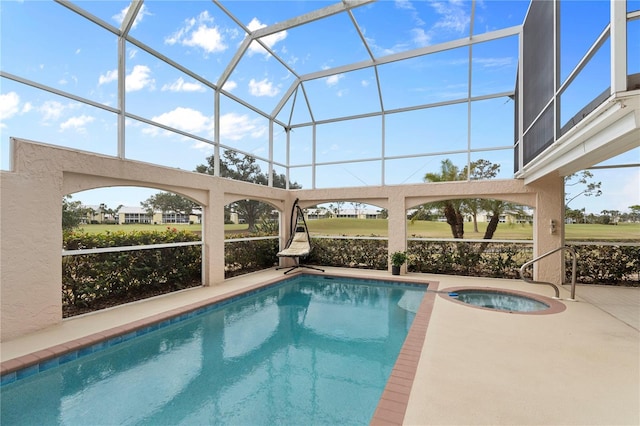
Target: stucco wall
[
  {"x": 31, "y": 221},
  {"x": 30, "y": 216}
]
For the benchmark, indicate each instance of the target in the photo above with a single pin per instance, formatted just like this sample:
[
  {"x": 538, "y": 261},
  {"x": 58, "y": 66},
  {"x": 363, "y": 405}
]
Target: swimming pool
[{"x": 309, "y": 350}]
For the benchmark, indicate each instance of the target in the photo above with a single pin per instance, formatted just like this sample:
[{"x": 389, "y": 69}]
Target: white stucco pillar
[
  {"x": 548, "y": 230},
  {"x": 397, "y": 223},
  {"x": 214, "y": 237},
  {"x": 31, "y": 229}
]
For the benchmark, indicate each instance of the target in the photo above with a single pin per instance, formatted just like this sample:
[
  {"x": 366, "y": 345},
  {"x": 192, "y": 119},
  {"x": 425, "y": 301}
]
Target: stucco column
[
  {"x": 30, "y": 265},
  {"x": 397, "y": 223},
  {"x": 548, "y": 230},
  {"x": 214, "y": 238}
]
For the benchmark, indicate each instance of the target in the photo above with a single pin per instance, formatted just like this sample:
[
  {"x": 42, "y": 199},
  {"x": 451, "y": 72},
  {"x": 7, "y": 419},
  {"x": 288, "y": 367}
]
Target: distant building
[
  {"x": 132, "y": 214},
  {"x": 363, "y": 213}
]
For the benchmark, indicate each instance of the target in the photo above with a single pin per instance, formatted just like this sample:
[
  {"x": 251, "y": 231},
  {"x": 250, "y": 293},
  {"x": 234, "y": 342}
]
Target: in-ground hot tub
[{"x": 510, "y": 301}]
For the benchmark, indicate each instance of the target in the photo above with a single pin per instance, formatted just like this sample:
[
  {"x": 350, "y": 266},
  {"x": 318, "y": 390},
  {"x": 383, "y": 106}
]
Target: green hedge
[
  {"x": 486, "y": 259},
  {"x": 244, "y": 256},
  {"x": 91, "y": 281},
  {"x": 606, "y": 264},
  {"x": 349, "y": 253}
]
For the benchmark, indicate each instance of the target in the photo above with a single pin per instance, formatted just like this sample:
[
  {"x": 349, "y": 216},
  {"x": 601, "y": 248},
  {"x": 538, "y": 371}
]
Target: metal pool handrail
[{"x": 555, "y": 287}]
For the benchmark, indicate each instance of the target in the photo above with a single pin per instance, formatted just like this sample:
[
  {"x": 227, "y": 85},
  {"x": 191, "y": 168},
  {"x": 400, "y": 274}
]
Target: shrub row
[
  {"x": 349, "y": 253},
  {"x": 76, "y": 240},
  {"x": 92, "y": 281},
  {"x": 88, "y": 281},
  {"x": 481, "y": 259},
  {"x": 493, "y": 260},
  {"x": 244, "y": 256},
  {"x": 600, "y": 264}
]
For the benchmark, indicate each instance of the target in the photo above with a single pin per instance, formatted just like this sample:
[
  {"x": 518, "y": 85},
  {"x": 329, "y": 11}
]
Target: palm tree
[{"x": 451, "y": 208}]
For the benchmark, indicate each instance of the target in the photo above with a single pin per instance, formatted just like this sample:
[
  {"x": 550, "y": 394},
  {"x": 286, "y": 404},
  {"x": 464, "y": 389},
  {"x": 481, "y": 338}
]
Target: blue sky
[{"x": 70, "y": 54}]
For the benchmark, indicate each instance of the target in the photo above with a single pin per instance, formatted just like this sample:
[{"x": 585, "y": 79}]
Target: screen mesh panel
[
  {"x": 538, "y": 72},
  {"x": 539, "y": 136}
]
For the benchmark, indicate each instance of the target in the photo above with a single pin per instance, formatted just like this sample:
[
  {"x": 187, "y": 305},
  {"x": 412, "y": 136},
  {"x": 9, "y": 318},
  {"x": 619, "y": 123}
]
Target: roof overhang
[{"x": 610, "y": 130}]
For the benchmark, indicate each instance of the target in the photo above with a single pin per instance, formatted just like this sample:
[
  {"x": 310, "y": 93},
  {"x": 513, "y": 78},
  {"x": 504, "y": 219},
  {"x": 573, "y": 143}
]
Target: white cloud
[
  {"x": 230, "y": 85},
  {"x": 235, "y": 127},
  {"x": 139, "y": 79},
  {"x": 334, "y": 79},
  {"x": 64, "y": 81},
  {"x": 269, "y": 40},
  {"x": 364, "y": 83},
  {"x": 119, "y": 17},
  {"x": 186, "y": 119},
  {"x": 208, "y": 39},
  {"x": 420, "y": 37},
  {"x": 453, "y": 15},
  {"x": 404, "y": 4},
  {"x": 51, "y": 110},
  {"x": 262, "y": 88},
  {"x": 9, "y": 106},
  {"x": 407, "y": 5},
  {"x": 181, "y": 86},
  {"x": 108, "y": 77},
  {"x": 196, "y": 32},
  {"x": 78, "y": 123},
  {"x": 26, "y": 107}
]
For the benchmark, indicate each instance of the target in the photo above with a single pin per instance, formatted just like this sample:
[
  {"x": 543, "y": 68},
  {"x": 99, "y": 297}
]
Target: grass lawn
[
  {"x": 425, "y": 229},
  {"x": 97, "y": 229},
  {"x": 378, "y": 227}
]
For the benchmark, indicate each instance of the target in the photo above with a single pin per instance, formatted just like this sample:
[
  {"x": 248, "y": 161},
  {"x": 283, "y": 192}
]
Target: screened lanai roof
[
  {"x": 287, "y": 59},
  {"x": 345, "y": 93}
]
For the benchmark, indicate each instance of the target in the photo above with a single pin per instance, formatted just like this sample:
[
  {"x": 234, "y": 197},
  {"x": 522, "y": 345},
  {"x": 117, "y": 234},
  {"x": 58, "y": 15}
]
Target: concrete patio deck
[{"x": 580, "y": 366}]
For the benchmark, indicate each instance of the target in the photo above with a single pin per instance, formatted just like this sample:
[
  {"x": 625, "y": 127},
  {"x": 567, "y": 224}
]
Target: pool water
[{"x": 312, "y": 350}]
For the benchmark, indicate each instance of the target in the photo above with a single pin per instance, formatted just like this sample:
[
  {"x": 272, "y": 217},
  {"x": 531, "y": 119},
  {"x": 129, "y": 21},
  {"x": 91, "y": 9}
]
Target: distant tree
[
  {"x": 609, "y": 217},
  {"x": 244, "y": 168},
  {"x": 603, "y": 218},
  {"x": 106, "y": 212},
  {"x": 336, "y": 208},
  {"x": 497, "y": 208},
  {"x": 478, "y": 170},
  {"x": 72, "y": 213},
  {"x": 357, "y": 207},
  {"x": 453, "y": 210},
  {"x": 450, "y": 208},
  {"x": 583, "y": 184},
  {"x": 112, "y": 213},
  {"x": 168, "y": 202},
  {"x": 634, "y": 216},
  {"x": 422, "y": 212},
  {"x": 577, "y": 215}
]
